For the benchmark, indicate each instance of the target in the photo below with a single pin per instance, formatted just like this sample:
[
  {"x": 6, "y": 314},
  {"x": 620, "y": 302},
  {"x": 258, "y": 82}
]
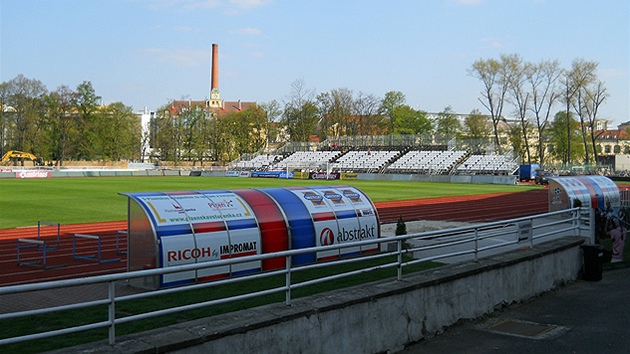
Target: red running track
[{"x": 62, "y": 265}]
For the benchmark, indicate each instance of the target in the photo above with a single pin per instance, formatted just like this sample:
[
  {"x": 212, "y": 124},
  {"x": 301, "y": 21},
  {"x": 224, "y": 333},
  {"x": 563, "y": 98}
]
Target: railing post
[
  {"x": 531, "y": 234},
  {"x": 399, "y": 248},
  {"x": 111, "y": 315},
  {"x": 476, "y": 244},
  {"x": 287, "y": 281}
]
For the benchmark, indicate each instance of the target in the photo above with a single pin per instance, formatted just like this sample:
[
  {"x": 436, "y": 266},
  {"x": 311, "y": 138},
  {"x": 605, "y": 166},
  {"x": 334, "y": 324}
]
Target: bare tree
[
  {"x": 595, "y": 95},
  {"x": 516, "y": 77},
  {"x": 492, "y": 74},
  {"x": 543, "y": 83},
  {"x": 273, "y": 112},
  {"x": 366, "y": 107},
  {"x": 336, "y": 112},
  {"x": 582, "y": 73},
  {"x": 300, "y": 112}
]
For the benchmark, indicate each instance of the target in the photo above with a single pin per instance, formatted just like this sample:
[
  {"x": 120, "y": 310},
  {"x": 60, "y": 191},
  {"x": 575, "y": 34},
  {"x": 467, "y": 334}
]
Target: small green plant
[{"x": 401, "y": 227}]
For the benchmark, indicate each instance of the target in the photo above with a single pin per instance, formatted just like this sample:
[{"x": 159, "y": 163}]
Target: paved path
[{"x": 582, "y": 317}]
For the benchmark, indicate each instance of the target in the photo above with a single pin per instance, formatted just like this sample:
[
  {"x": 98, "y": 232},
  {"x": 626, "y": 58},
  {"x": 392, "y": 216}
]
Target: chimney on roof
[{"x": 214, "y": 80}]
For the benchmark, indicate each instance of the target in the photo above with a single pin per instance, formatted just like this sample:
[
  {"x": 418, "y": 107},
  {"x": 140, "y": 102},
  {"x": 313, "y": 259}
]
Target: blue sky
[{"x": 148, "y": 52}]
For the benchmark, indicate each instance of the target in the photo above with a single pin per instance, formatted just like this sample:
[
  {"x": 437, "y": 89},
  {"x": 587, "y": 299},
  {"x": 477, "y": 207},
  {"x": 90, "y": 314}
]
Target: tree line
[
  {"x": 553, "y": 110},
  {"x": 531, "y": 92},
  {"x": 65, "y": 124}
]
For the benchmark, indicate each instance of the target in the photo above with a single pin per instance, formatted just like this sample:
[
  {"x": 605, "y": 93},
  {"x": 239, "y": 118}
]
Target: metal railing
[{"x": 449, "y": 245}]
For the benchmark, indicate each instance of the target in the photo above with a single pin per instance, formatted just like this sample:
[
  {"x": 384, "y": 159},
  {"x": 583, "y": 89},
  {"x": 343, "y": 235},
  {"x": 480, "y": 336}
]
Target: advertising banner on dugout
[{"x": 204, "y": 226}]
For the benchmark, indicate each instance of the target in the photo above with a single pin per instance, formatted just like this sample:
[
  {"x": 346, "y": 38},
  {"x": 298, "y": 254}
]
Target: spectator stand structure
[
  {"x": 428, "y": 161},
  {"x": 489, "y": 164},
  {"x": 402, "y": 154},
  {"x": 365, "y": 160}
]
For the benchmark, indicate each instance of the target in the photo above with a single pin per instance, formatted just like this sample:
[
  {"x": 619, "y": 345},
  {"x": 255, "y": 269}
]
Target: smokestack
[{"x": 214, "y": 81}]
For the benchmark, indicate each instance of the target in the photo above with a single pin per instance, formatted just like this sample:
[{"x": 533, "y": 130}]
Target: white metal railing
[{"x": 450, "y": 245}]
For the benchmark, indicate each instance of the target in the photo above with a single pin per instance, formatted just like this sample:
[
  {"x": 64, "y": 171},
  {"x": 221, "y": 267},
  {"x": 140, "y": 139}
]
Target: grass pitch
[{"x": 24, "y": 202}]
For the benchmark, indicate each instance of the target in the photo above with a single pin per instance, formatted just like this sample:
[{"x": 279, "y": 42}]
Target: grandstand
[
  {"x": 364, "y": 160},
  {"x": 411, "y": 156},
  {"x": 306, "y": 160},
  {"x": 488, "y": 164},
  {"x": 258, "y": 162},
  {"x": 427, "y": 161}
]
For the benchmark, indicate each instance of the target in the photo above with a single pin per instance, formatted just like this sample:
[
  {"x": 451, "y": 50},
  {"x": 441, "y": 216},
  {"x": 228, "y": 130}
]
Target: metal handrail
[{"x": 566, "y": 223}]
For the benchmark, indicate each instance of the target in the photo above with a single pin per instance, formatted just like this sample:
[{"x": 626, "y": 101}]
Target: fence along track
[{"x": 462, "y": 208}]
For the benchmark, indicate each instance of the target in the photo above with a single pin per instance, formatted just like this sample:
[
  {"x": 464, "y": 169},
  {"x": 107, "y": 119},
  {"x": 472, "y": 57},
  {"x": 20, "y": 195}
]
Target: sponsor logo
[
  {"x": 242, "y": 247},
  {"x": 352, "y": 195},
  {"x": 366, "y": 212},
  {"x": 333, "y": 197},
  {"x": 314, "y": 198},
  {"x": 323, "y": 175},
  {"x": 32, "y": 174},
  {"x": 208, "y": 252},
  {"x": 190, "y": 253},
  {"x": 349, "y": 175},
  {"x": 326, "y": 237},
  {"x": 225, "y": 204},
  {"x": 356, "y": 234}
]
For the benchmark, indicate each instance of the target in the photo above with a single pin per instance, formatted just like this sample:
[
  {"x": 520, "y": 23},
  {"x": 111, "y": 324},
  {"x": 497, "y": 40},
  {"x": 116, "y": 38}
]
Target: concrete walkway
[{"x": 582, "y": 317}]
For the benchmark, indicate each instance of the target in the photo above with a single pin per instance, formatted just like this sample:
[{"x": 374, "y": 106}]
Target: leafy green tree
[
  {"x": 392, "y": 101},
  {"x": 5, "y": 113},
  {"x": 559, "y": 145},
  {"x": 60, "y": 125},
  {"x": 518, "y": 142},
  {"x": 87, "y": 105},
  {"x": 475, "y": 129},
  {"x": 168, "y": 135},
  {"x": 118, "y": 132},
  {"x": 410, "y": 121},
  {"x": 26, "y": 99},
  {"x": 447, "y": 123}
]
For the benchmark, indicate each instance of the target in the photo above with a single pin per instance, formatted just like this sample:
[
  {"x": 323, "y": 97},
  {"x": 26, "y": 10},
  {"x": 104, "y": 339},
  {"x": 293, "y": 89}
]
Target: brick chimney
[{"x": 214, "y": 81}]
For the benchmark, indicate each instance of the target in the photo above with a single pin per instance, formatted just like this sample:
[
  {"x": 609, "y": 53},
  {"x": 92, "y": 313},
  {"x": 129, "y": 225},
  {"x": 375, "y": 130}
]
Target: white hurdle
[{"x": 91, "y": 257}]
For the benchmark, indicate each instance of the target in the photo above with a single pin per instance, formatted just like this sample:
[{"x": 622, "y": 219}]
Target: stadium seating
[
  {"x": 364, "y": 160},
  {"x": 260, "y": 161},
  {"x": 306, "y": 159},
  {"x": 427, "y": 162},
  {"x": 488, "y": 164}
]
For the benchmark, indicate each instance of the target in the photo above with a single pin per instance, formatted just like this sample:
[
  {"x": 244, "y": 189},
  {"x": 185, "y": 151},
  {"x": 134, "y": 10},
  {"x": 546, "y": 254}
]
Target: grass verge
[
  {"x": 24, "y": 202},
  {"x": 66, "y": 319}
]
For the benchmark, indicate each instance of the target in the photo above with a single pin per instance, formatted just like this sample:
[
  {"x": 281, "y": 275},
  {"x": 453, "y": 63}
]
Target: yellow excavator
[{"x": 16, "y": 156}]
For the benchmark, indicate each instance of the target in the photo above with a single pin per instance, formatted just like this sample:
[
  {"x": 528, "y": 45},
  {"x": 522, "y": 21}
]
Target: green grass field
[{"x": 24, "y": 202}]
